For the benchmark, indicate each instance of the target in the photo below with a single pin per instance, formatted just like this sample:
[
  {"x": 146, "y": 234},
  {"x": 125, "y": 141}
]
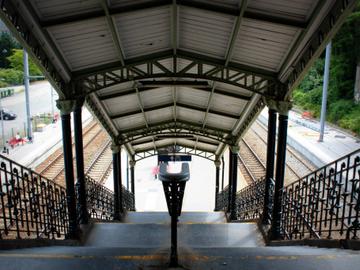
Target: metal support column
[
  {"x": 27, "y": 95},
  {"x": 132, "y": 178},
  {"x": 234, "y": 150},
  {"x": 121, "y": 206},
  {"x": 280, "y": 173},
  {"x": 229, "y": 181},
  {"x": 116, "y": 162},
  {"x": 80, "y": 183},
  {"x": 270, "y": 158},
  {"x": 222, "y": 172},
  {"x": 66, "y": 107},
  {"x": 324, "y": 92},
  {"x": 217, "y": 181}
]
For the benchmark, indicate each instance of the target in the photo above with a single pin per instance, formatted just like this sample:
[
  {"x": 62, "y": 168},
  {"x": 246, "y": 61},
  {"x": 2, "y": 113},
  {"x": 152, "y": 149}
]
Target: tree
[
  {"x": 16, "y": 62},
  {"x": 7, "y": 44}
]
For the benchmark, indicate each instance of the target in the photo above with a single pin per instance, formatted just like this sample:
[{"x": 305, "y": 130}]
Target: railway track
[
  {"x": 249, "y": 163},
  {"x": 296, "y": 165},
  {"x": 93, "y": 140},
  {"x": 101, "y": 164}
]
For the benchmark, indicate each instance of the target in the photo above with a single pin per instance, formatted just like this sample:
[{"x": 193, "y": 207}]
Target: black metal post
[
  {"x": 115, "y": 150},
  {"x": 66, "y": 106},
  {"x": 280, "y": 173},
  {"x": 132, "y": 179},
  {"x": 80, "y": 183},
  {"x": 121, "y": 206},
  {"x": 174, "y": 218},
  {"x": 217, "y": 181},
  {"x": 234, "y": 167},
  {"x": 132, "y": 176},
  {"x": 270, "y": 156},
  {"x": 222, "y": 172},
  {"x": 230, "y": 182}
]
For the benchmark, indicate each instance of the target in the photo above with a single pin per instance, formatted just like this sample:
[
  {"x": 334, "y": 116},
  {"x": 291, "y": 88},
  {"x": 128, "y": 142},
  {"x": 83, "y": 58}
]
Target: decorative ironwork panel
[
  {"x": 222, "y": 200},
  {"x": 31, "y": 206},
  {"x": 128, "y": 199},
  {"x": 100, "y": 200},
  {"x": 325, "y": 203},
  {"x": 250, "y": 201}
]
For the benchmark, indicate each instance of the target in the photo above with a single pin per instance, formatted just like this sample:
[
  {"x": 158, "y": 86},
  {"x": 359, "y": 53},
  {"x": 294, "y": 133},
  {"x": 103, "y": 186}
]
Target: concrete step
[
  {"x": 254, "y": 258},
  {"x": 190, "y": 235},
  {"x": 164, "y": 217}
]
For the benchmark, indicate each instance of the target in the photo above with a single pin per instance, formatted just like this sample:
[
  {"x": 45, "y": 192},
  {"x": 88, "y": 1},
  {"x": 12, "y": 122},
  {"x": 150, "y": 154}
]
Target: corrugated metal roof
[
  {"x": 85, "y": 45},
  {"x": 294, "y": 9},
  {"x": 145, "y": 32},
  {"x": 50, "y": 9},
  {"x": 262, "y": 44},
  {"x": 193, "y": 68},
  {"x": 204, "y": 32}
]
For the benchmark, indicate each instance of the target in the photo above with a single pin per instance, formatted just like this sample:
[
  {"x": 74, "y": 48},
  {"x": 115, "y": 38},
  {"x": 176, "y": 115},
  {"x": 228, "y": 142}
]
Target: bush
[
  {"x": 11, "y": 76},
  {"x": 339, "y": 110},
  {"x": 299, "y": 97},
  {"x": 351, "y": 122}
]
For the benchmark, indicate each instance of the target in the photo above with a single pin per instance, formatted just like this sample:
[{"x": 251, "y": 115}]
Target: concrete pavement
[
  {"x": 44, "y": 144},
  {"x": 303, "y": 135}
]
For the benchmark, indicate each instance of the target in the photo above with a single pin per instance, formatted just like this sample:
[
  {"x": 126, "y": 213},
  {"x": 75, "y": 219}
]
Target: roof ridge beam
[
  {"x": 144, "y": 89},
  {"x": 113, "y": 31},
  {"x": 235, "y": 33}
]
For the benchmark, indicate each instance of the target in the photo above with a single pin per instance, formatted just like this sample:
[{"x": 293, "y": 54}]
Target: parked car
[{"x": 7, "y": 115}]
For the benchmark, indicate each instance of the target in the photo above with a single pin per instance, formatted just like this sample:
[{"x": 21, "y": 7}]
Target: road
[{"x": 40, "y": 102}]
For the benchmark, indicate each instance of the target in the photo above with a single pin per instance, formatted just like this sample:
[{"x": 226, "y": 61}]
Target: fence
[{"x": 31, "y": 206}]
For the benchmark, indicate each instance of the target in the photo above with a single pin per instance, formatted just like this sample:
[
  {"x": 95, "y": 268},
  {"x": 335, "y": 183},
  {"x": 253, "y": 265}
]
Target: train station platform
[
  {"x": 44, "y": 144},
  {"x": 303, "y": 135}
]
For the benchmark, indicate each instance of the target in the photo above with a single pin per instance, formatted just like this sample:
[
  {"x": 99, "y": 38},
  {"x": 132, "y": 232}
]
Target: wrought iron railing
[
  {"x": 128, "y": 200},
  {"x": 31, "y": 206},
  {"x": 222, "y": 200},
  {"x": 100, "y": 200},
  {"x": 250, "y": 201},
  {"x": 325, "y": 203}
]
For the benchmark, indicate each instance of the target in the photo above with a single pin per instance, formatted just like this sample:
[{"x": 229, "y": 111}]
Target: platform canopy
[{"x": 159, "y": 73}]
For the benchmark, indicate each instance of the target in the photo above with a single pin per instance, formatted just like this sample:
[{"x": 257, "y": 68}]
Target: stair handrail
[{"x": 32, "y": 206}]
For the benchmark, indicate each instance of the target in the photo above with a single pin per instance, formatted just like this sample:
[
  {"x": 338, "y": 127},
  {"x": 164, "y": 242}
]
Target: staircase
[
  {"x": 195, "y": 230},
  {"x": 206, "y": 241}
]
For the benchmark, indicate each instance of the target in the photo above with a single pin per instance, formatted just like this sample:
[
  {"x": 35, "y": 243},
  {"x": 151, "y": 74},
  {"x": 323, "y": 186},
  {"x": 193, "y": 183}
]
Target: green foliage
[
  {"x": 16, "y": 62},
  {"x": 11, "y": 76},
  {"x": 352, "y": 120},
  {"x": 7, "y": 44},
  {"x": 341, "y": 108}
]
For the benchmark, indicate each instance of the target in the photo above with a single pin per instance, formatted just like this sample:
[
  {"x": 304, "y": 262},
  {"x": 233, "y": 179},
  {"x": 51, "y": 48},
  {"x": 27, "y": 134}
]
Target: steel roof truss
[
  {"x": 178, "y": 128},
  {"x": 154, "y": 69},
  {"x": 183, "y": 150}
]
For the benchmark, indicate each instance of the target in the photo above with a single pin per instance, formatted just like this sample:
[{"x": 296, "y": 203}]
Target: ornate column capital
[
  {"x": 132, "y": 163},
  {"x": 217, "y": 163},
  {"x": 282, "y": 107},
  {"x": 66, "y": 106},
  {"x": 115, "y": 148},
  {"x": 234, "y": 149}
]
